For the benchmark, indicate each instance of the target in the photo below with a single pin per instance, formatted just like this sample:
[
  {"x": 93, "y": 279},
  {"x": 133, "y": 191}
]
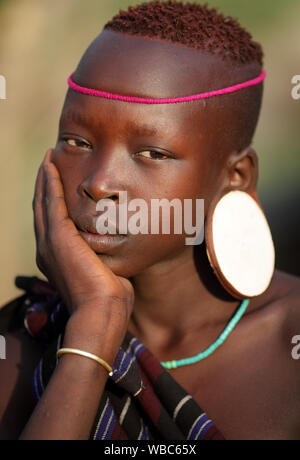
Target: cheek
[
  {"x": 190, "y": 182},
  {"x": 70, "y": 175},
  {"x": 205, "y": 180}
]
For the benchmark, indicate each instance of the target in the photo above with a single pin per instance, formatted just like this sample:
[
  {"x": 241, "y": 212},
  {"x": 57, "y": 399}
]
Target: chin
[{"x": 117, "y": 266}]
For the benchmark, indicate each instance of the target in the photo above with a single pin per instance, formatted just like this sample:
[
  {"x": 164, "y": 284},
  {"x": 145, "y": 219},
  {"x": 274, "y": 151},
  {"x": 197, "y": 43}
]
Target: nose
[{"x": 104, "y": 178}]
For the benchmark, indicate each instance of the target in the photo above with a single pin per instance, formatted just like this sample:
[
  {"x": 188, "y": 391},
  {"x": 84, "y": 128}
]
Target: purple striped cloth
[{"x": 141, "y": 401}]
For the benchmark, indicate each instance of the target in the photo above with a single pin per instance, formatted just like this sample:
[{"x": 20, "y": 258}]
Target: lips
[
  {"x": 87, "y": 227},
  {"x": 88, "y": 223}
]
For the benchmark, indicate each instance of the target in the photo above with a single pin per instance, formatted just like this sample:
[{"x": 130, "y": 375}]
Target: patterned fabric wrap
[{"x": 141, "y": 400}]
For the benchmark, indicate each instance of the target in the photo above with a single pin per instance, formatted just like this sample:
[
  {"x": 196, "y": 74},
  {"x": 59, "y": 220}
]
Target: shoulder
[
  {"x": 279, "y": 308},
  {"x": 281, "y": 299},
  {"x": 284, "y": 296},
  {"x": 28, "y": 324},
  {"x": 275, "y": 320},
  {"x": 284, "y": 284},
  {"x": 39, "y": 311},
  {"x": 274, "y": 325},
  {"x": 16, "y": 402},
  {"x": 284, "y": 306},
  {"x": 290, "y": 305}
]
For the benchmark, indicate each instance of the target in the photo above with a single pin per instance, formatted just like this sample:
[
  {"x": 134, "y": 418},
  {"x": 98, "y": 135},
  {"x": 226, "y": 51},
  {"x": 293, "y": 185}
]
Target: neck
[{"x": 179, "y": 297}]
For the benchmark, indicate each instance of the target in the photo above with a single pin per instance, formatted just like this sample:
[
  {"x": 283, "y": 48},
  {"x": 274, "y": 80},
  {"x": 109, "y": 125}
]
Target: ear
[{"x": 243, "y": 171}]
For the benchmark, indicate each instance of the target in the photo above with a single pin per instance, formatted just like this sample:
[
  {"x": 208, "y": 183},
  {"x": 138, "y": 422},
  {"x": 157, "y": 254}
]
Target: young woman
[{"x": 136, "y": 301}]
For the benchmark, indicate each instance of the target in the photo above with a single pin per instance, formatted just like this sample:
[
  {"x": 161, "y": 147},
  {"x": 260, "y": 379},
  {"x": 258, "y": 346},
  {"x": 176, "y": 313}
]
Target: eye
[
  {"x": 77, "y": 143},
  {"x": 153, "y": 155}
]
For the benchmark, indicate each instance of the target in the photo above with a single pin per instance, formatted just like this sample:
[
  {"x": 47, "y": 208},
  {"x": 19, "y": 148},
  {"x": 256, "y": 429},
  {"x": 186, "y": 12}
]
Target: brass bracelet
[{"x": 74, "y": 351}]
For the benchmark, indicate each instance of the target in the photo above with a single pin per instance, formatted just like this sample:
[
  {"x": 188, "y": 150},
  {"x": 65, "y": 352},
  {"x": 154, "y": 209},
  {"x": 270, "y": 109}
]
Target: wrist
[
  {"x": 84, "y": 354},
  {"x": 93, "y": 336}
]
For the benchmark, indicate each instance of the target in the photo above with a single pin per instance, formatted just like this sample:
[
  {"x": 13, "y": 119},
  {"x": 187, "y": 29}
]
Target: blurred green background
[{"x": 41, "y": 43}]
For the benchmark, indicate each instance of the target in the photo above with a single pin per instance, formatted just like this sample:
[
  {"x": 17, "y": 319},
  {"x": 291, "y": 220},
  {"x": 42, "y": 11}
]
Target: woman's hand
[
  {"x": 93, "y": 294},
  {"x": 100, "y": 304}
]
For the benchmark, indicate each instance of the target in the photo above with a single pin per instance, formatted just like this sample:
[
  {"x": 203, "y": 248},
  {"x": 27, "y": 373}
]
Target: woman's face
[{"x": 106, "y": 147}]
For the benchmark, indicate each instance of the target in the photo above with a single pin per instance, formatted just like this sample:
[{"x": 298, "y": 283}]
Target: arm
[
  {"x": 69, "y": 404},
  {"x": 100, "y": 305}
]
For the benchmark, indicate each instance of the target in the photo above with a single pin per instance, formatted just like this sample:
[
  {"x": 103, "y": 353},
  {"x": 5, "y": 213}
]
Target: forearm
[
  {"x": 69, "y": 404},
  {"x": 99, "y": 302}
]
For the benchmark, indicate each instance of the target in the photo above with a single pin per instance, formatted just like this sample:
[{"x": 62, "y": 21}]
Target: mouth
[
  {"x": 99, "y": 243},
  {"x": 102, "y": 243}
]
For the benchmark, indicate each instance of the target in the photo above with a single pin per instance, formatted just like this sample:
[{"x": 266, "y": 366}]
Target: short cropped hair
[
  {"x": 190, "y": 24},
  {"x": 205, "y": 29}
]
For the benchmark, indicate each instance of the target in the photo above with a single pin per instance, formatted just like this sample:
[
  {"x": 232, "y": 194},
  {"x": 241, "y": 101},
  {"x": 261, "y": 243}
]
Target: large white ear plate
[{"x": 239, "y": 245}]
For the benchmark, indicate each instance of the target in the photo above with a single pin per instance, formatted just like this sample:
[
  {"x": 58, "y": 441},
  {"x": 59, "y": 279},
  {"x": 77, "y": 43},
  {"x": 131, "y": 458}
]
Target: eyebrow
[
  {"x": 76, "y": 117},
  {"x": 83, "y": 120},
  {"x": 142, "y": 130}
]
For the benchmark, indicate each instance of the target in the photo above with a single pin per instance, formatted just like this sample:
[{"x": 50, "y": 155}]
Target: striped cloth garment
[{"x": 141, "y": 401}]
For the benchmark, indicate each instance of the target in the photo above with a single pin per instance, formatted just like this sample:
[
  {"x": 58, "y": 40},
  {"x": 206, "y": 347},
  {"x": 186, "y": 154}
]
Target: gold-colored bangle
[{"x": 74, "y": 351}]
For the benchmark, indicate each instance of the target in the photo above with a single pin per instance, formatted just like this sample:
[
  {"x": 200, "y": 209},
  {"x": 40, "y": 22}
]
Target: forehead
[
  {"x": 137, "y": 66},
  {"x": 172, "y": 127}
]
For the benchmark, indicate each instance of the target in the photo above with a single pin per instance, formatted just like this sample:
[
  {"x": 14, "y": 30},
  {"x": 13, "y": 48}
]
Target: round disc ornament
[{"x": 239, "y": 245}]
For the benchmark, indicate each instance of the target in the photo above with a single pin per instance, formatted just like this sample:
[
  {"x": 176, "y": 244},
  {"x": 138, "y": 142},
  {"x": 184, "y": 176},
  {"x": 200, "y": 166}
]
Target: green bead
[{"x": 220, "y": 340}]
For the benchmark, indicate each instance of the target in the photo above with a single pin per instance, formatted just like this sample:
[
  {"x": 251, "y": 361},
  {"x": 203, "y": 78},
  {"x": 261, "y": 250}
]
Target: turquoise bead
[{"x": 220, "y": 340}]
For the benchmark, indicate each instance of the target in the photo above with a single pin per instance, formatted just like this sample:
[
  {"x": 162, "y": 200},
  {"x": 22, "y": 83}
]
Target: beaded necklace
[{"x": 220, "y": 340}]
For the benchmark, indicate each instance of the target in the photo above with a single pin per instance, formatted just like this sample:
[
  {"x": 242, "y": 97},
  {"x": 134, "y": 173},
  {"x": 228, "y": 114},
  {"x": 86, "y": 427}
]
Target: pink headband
[{"x": 174, "y": 100}]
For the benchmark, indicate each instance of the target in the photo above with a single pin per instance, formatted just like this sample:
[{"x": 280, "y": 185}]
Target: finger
[
  {"x": 37, "y": 204},
  {"x": 38, "y": 192},
  {"x": 39, "y": 225},
  {"x": 48, "y": 157},
  {"x": 55, "y": 205},
  {"x": 60, "y": 226}
]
